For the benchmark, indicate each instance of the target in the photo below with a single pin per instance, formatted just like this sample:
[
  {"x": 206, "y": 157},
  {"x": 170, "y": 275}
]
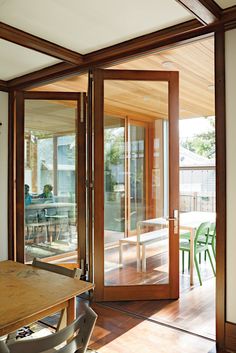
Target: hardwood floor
[
  {"x": 117, "y": 332},
  {"x": 193, "y": 312},
  {"x": 157, "y": 265},
  {"x": 122, "y": 332}
]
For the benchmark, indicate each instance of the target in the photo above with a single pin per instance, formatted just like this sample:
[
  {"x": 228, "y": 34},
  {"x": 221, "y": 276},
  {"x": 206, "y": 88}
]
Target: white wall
[
  {"x": 231, "y": 172},
  {"x": 3, "y": 173}
]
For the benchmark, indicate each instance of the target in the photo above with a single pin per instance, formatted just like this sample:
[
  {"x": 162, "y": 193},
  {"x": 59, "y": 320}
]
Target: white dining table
[{"x": 187, "y": 221}]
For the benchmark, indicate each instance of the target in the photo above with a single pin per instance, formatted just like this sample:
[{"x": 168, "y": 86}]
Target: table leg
[
  {"x": 71, "y": 310},
  {"x": 192, "y": 234},
  {"x": 138, "y": 257},
  {"x": 121, "y": 254},
  {"x": 138, "y": 249},
  {"x": 143, "y": 258},
  {"x": 62, "y": 320}
]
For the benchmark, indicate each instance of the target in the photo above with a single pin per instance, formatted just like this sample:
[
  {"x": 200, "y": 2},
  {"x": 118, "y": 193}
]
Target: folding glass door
[
  {"x": 136, "y": 179},
  {"x": 51, "y": 185}
]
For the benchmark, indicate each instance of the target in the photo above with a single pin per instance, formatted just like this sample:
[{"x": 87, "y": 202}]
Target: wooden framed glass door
[
  {"x": 51, "y": 177},
  {"x": 136, "y": 180}
]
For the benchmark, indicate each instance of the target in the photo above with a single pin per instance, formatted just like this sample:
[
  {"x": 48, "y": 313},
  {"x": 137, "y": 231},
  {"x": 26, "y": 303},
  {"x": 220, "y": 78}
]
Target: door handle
[{"x": 175, "y": 219}]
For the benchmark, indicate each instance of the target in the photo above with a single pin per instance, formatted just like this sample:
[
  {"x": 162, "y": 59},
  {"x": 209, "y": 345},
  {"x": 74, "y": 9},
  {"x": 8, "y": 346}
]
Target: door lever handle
[{"x": 176, "y": 221}]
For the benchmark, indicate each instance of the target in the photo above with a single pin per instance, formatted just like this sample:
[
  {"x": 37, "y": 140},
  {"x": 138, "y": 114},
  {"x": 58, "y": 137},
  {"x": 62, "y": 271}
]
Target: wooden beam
[
  {"x": 3, "y": 86},
  {"x": 220, "y": 112},
  {"x": 159, "y": 40},
  {"x": 46, "y": 74},
  {"x": 229, "y": 18},
  {"x": 206, "y": 11},
  {"x": 114, "y": 54},
  {"x": 145, "y": 43},
  {"x": 43, "y": 46}
]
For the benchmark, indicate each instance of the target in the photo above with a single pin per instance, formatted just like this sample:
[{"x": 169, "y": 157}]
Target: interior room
[
  {"x": 135, "y": 128},
  {"x": 118, "y": 176}
]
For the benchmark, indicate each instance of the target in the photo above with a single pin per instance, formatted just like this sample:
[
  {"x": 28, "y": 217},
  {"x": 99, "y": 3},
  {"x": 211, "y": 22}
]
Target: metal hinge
[{"x": 89, "y": 185}]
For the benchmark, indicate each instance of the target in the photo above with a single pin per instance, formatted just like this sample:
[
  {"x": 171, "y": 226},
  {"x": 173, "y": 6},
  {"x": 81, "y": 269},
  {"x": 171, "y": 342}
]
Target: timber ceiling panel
[
  {"x": 85, "y": 26},
  {"x": 16, "y": 60},
  {"x": 50, "y": 117},
  {"x": 195, "y": 63},
  {"x": 225, "y": 3}
]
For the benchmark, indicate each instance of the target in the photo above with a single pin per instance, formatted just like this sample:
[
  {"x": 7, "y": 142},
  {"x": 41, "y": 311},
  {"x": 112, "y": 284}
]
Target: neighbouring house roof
[{"x": 189, "y": 158}]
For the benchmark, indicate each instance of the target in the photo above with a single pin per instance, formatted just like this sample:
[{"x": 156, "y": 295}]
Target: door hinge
[{"x": 89, "y": 185}]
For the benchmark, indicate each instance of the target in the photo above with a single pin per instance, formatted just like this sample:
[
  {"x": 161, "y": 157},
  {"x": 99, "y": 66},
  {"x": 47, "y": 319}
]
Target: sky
[{"x": 191, "y": 127}]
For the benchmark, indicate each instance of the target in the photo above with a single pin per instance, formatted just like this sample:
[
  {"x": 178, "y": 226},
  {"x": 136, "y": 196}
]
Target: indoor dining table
[{"x": 28, "y": 294}]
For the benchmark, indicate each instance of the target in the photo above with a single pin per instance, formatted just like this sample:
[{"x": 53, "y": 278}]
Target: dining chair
[
  {"x": 202, "y": 230},
  {"x": 211, "y": 240},
  {"x": 73, "y": 273},
  {"x": 69, "y": 272},
  {"x": 75, "y": 338}
]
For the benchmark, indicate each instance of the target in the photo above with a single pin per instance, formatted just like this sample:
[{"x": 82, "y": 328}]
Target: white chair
[
  {"x": 76, "y": 337},
  {"x": 75, "y": 273}
]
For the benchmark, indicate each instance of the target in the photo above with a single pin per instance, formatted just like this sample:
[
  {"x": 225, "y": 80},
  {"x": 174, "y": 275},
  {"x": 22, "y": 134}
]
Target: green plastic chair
[
  {"x": 203, "y": 230},
  {"x": 211, "y": 240}
]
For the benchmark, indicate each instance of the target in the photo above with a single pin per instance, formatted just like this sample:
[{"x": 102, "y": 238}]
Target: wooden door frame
[
  {"x": 17, "y": 238},
  {"x": 170, "y": 291}
]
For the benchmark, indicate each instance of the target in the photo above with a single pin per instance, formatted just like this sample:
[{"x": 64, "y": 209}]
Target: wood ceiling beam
[
  {"x": 30, "y": 41},
  {"x": 112, "y": 55},
  {"x": 47, "y": 74},
  {"x": 4, "y": 86},
  {"x": 206, "y": 11},
  {"x": 162, "y": 39}
]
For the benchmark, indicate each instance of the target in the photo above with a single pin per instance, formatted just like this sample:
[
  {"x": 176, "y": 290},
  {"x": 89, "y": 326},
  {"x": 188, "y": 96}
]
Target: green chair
[
  {"x": 203, "y": 230},
  {"x": 211, "y": 240}
]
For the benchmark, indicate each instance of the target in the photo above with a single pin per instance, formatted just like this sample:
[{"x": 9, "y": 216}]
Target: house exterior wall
[
  {"x": 230, "y": 47},
  {"x": 3, "y": 174}
]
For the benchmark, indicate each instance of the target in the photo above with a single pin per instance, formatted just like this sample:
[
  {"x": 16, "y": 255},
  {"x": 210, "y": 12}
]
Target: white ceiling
[
  {"x": 225, "y": 3},
  {"x": 16, "y": 60},
  {"x": 88, "y": 25}
]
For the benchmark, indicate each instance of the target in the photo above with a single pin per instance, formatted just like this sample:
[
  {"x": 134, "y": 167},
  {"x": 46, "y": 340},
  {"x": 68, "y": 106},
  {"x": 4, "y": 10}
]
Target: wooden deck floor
[{"x": 117, "y": 332}]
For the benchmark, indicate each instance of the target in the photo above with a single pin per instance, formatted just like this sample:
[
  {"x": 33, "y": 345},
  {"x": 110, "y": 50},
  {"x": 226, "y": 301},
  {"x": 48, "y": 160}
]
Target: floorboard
[
  {"x": 195, "y": 309},
  {"x": 117, "y": 332}
]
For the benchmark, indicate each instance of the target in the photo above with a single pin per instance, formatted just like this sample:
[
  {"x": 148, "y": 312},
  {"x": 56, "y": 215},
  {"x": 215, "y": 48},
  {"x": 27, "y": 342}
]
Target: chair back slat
[
  {"x": 203, "y": 230},
  {"x": 75, "y": 273},
  {"x": 78, "y": 333}
]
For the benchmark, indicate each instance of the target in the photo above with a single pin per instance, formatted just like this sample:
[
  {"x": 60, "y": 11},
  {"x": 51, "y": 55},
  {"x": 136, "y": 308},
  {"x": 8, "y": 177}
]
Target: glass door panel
[
  {"x": 139, "y": 247},
  {"x": 50, "y": 180}
]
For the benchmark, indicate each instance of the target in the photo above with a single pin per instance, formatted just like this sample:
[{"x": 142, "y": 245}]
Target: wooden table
[
  {"x": 187, "y": 221},
  {"x": 28, "y": 294}
]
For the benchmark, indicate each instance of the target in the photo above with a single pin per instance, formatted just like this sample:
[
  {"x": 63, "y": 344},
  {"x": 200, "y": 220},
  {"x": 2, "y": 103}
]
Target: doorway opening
[{"x": 136, "y": 182}]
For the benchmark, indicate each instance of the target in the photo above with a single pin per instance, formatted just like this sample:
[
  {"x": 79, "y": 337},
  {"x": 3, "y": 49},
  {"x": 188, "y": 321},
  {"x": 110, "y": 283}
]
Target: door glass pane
[
  {"x": 136, "y": 235},
  {"x": 50, "y": 180}
]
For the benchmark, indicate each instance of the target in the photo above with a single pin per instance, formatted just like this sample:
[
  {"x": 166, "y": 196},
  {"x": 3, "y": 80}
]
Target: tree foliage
[{"x": 202, "y": 144}]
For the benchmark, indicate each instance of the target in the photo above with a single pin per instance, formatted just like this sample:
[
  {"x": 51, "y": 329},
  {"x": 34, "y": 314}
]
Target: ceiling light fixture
[
  {"x": 211, "y": 87},
  {"x": 167, "y": 64}
]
